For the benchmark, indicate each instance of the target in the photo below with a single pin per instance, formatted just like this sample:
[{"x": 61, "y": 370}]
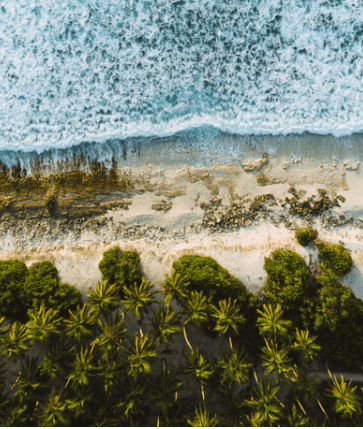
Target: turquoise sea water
[{"x": 94, "y": 71}]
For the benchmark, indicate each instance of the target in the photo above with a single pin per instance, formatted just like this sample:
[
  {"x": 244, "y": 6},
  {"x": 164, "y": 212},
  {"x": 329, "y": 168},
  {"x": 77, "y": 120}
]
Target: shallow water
[{"x": 83, "y": 71}]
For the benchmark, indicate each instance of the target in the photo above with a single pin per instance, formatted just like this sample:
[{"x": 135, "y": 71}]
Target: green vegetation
[
  {"x": 305, "y": 235},
  {"x": 288, "y": 284},
  {"x": 204, "y": 351},
  {"x": 25, "y": 289},
  {"x": 334, "y": 257},
  {"x": 121, "y": 268},
  {"x": 12, "y": 278}
]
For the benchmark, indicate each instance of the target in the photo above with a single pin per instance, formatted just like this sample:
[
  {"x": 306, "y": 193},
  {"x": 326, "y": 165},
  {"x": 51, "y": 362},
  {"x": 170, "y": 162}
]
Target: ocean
[{"x": 94, "y": 72}]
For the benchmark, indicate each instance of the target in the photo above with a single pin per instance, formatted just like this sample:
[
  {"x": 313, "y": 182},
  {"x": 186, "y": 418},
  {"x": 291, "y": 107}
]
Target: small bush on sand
[
  {"x": 23, "y": 289},
  {"x": 66, "y": 297},
  {"x": 204, "y": 274},
  {"x": 12, "y": 278},
  {"x": 42, "y": 285},
  {"x": 334, "y": 257},
  {"x": 305, "y": 235},
  {"x": 121, "y": 268}
]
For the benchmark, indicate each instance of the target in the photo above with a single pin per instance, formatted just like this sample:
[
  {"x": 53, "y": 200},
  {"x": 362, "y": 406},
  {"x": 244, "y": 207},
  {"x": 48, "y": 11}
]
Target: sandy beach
[{"x": 234, "y": 200}]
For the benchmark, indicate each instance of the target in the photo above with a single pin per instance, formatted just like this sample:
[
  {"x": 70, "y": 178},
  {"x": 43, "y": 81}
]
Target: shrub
[
  {"x": 339, "y": 325},
  {"x": 66, "y": 297},
  {"x": 128, "y": 269},
  {"x": 121, "y": 268},
  {"x": 12, "y": 278},
  {"x": 305, "y": 235},
  {"x": 288, "y": 276},
  {"x": 108, "y": 265},
  {"x": 42, "y": 285},
  {"x": 205, "y": 274},
  {"x": 334, "y": 257},
  {"x": 288, "y": 285}
]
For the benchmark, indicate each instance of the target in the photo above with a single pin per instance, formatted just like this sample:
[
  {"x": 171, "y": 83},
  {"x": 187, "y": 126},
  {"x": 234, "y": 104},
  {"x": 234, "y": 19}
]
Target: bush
[
  {"x": 108, "y": 265},
  {"x": 66, "y": 297},
  {"x": 42, "y": 285},
  {"x": 339, "y": 326},
  {"x": 12, "y": 278},
  {"x": 205, "y": 274},
  {"x": 288, "y": 284},
  {"x": 305, "y": 235},
  {"x": 121, "y": 268},
  {"x": 128, "y": 269},
  {"x": 335, "y": 257}
]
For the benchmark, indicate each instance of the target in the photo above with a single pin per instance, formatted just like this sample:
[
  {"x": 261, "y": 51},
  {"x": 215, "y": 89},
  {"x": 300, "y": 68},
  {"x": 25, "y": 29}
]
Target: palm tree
[
  {"x": 83, "y": 369},
  {"x": 78, "y": 399},
  {"x": 296, "y": 419},
  {"x": 227, "y": 317},
  {"x": 270, "y": 322},
  {"x": 54, "y": 360},
  {"x": 113, "y": 332},
  {"x": 105, "y": 414},
  {"x": 140, "y": 354},
  {"x": 347, "y": 402},
  {"x": 305, "y": 345},
  {"x": 304, "y": 387},
  {"x": 80, "y": 322},
  {"x": 203, "y": 418},
  {"x": 165, "y": 324},
  {"x": 197, "y": 308},
  {"x": 275, "y": 360},
  {"x": 231, "y": 407},
  {"x": 53, "y": 412},
  {"x": 111, "y": 368},
  {"x": 233, "y": 367},
  {"x": 263, "y": 406},
  {"x": 138, "y": 298},
  {"x": 175, "y": 287},
  {"x": 198, "y": 367},
  {"x": 29, "y": 379},
  {"x": 14, "y": 341},
  {"x": 17, "y": 414},
  {"x": 132, "y": 398},
  {"x": 104, "y": 298},
  {"x": 164, "y": 390},
  {"x": 42, "y": 323}
]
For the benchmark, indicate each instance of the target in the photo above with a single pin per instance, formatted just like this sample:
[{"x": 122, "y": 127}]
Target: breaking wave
[{"x": 80, "y": 71}]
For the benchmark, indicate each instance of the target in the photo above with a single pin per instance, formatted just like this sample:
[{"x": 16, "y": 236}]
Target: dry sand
[{"x": 181, "y": 180}]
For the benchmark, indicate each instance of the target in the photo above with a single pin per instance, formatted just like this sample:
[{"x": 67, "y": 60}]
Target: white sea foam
[{"x": 90, "y": 70}]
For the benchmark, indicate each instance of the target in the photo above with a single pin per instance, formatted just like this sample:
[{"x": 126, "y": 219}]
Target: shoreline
[{"x": 235, "y": 212}]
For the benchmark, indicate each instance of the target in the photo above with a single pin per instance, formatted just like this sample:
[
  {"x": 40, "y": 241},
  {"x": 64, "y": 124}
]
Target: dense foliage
[
  {"x": 96, "y": 367},
  {"x": 335, "y": 257},
  {"x": 12, "y": 278},
  {"x": 24, "y": 289},
  {"x": 121, "y": 268},
  {"x": 305, "y": 235}
]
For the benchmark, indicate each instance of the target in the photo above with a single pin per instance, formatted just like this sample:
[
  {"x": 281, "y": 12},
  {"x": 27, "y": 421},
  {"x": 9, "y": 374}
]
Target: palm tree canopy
[
  {"x": 347, "y": 402},
  {"x": 138, "y": 297},
  {"x": 165, "y": 323},
  {"x": 227, "y": 317},
  {"x": 271, "y": 323},
  {"x": 203, "y": 418},
  {"x": 197, "y": 308}
]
